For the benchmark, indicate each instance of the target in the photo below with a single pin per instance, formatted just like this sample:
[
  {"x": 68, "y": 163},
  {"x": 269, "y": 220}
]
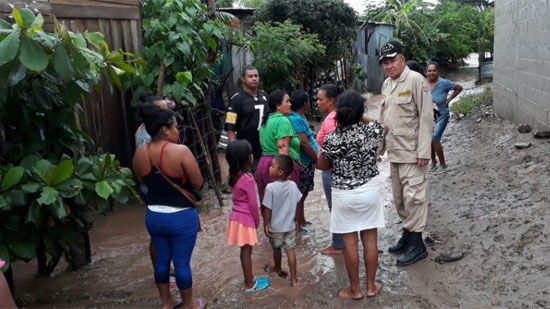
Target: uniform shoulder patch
[{"x": 425, "y": 88}]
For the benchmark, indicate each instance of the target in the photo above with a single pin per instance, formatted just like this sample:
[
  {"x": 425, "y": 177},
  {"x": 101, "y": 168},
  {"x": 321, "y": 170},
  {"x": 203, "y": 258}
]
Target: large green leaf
[
  {"x": 58, "y": 209},
  {"x": 32, "y": 55},
  {"x": 60, "y": 173},
  {"x": 103, "y": 189},
  {"x": 17, "y": 198},
  {"x": 4, "y": 25},
  {"x": 9, "y": 47},
  {"x": 70, "y": 188},
  {"x": 13, "y": 176},
  {"x": 27, "y": 16},
  {"x": 48, "y": 196},
  {"x": 34, "y": 214},
  {"x": 22, "y": 249},
  {"x": 29, "y": 162},
  {"x": 184, "y": 77},
  {"x": 18, "y": 72},
  {"x": 17, "y": 17},
  {"x": 31, "y": 187},
  {"x": 62, "y": 64},
  {"x": 83, "y": 165}
]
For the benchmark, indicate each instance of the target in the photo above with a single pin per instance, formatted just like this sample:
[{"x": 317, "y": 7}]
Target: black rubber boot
[
  {"x": 415, "y": 251},
  {"x": 401, "y": 244}
]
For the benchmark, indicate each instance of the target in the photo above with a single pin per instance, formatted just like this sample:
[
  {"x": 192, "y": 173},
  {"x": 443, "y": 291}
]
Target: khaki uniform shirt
[{"x": 407, "y": 108}]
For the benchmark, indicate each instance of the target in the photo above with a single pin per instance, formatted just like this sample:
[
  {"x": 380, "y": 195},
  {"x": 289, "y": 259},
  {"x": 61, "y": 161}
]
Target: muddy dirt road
[{"x": 492, "y": 206}]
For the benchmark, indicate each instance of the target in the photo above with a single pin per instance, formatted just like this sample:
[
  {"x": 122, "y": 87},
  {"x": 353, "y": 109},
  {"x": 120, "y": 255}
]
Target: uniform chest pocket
[
  {"x": 402, "y": 139},
  {"x": 405, "y": 106}
]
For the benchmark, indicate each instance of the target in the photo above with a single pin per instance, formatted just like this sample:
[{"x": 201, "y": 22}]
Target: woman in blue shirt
[
  {"x": 440, "y": 88},
  {"x": 308, "y": 149}
]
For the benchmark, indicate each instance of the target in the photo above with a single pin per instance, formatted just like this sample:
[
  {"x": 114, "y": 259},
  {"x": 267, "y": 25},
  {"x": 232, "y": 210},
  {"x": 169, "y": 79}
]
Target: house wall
[{"x": 521, "y": 79}]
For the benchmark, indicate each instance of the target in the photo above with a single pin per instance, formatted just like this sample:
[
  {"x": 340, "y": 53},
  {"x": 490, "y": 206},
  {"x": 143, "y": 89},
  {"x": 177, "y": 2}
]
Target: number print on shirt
[{"x": 261, "y": 109}]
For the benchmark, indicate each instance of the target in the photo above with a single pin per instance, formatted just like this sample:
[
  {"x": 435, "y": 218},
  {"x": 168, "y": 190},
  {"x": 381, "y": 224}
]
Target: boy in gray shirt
[{"x": 281, "y": 197}]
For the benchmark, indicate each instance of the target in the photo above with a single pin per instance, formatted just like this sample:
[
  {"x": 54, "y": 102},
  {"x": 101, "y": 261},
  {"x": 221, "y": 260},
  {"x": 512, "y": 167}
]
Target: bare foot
[
  {"x": 373, "y": 292},
  {"x": 200, "y": 303},
  {"x": 347, "y": 294},
  {"x": 330, "y": 250},
  {"x": 294, "y": 282},
  {"x": 280, "y": 272}
]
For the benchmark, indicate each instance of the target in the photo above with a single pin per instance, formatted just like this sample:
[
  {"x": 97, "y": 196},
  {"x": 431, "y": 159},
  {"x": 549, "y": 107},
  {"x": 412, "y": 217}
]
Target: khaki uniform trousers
[{"x": 410, "y": 194}]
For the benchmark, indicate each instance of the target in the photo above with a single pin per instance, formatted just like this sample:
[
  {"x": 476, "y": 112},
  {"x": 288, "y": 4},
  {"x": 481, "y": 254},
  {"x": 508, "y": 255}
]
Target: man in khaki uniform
[{"x": 407, "y": 108}]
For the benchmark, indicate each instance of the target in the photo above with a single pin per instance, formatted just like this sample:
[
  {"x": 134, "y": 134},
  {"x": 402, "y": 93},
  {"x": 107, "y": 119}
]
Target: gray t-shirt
[{"x": 281, "y": 197}]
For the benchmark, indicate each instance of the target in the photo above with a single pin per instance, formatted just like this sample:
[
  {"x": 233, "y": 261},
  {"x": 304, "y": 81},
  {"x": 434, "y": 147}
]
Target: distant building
[
  {"x": 366, "y": 49},
  {"x": 521, "y": 79}
]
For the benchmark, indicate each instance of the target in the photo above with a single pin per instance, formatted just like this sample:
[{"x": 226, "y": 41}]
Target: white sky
[{"x": 359, "y": 5}]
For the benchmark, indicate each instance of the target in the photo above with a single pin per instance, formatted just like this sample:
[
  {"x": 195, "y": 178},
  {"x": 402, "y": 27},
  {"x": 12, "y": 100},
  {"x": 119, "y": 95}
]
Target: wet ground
[{"x": 492, "y": 206}]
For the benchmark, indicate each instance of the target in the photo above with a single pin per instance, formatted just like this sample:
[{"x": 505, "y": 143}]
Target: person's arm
[
  {"x": 135, "y": 163},
  {"x": 191, "y": 168},
  {"x": 323, "y": 163},
  {"x": 306, "y": 146},
  {"x": 231, "y": 136},
  {"x": 366, "y": 119},
  {"x": 456, "y": 90},
  {"x": 250, "y": 189},
  {"x": 231, "y": 117},
  {"x": 267, "y": 215},
  {"x": 423, "y": 100},
  {"x": 283, "y": 144}
]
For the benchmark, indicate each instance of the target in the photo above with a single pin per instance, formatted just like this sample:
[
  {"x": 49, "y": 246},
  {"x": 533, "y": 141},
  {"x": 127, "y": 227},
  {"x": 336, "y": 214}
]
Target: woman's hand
[{"x": 283, "y": 144}]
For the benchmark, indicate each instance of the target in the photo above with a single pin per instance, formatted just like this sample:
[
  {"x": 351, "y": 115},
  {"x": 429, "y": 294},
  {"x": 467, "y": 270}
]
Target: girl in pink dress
[{"x": 244, "y": 217}]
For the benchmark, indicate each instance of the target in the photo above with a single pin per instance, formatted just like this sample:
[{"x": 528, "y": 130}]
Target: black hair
[
  {"x": 247, "y": 68},
  {"x": 275, "y": 99},
  {"x": 285, "y": 164},
  {"x": 433, "y": 63},
  {"x": 331, "y": 90},
  {"x": 415, "y": 66},
  {"x": 147, "y": 105},
  {"x": 350, "y": 108},
  {"x": 158, "y": 118},
  {"x": 237, "y": 155},
  {"x": 298, "y": 99}
]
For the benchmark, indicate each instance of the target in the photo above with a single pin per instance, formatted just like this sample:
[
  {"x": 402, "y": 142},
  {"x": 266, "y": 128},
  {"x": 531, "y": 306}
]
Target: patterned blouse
[{"x": 352, "y": 151}]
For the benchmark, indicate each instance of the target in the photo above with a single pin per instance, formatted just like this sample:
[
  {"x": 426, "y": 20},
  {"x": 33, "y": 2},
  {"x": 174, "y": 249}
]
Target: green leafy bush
[
  {"x": 48, "y": 198},
  {"x": 179, "y": 35},
  {"x": 281, "y": 50},
  {"x": 466, "y": 103}
]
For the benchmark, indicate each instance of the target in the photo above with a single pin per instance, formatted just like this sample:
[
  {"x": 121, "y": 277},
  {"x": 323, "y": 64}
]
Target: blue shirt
[
  {"x": 300, "y": 125},
  {"x": 440, "y": 92}
]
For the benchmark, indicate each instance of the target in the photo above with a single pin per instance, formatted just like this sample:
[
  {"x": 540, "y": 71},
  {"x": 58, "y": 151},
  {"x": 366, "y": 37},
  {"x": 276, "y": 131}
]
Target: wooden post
[{"x": 207, "y": 158}]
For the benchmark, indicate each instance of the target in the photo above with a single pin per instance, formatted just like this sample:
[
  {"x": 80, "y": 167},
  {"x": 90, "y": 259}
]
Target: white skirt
[{"x": 358, "y": 209}]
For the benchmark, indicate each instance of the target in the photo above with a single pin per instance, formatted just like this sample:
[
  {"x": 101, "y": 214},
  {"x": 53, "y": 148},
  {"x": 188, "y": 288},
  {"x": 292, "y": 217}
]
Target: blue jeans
[
  {"x": 337, "y": 241},
  {"x": 174, "y": 236}
]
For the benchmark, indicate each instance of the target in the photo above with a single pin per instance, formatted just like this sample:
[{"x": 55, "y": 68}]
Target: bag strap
[{"x": 184, "y": 192}]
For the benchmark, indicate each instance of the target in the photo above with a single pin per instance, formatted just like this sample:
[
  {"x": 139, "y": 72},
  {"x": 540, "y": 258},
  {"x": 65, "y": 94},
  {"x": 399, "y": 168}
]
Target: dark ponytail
[
  {"x": 146, "y": 105},
  {"x": 237, "y": 155},
  {"x": 275, "y": 99}
]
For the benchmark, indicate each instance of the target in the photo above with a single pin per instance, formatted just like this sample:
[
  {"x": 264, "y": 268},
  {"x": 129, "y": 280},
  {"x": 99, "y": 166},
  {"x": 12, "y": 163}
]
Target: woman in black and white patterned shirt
[{"x": 350, "y": 153}]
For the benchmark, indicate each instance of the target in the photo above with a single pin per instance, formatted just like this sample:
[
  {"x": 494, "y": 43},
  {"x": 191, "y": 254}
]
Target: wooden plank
[
  {"x": 92, "y": 25},
  {"x": 91, "y": 3},
  {"x": 99, "y": 2},
  {"x": 116, "y": 34},
  {"x": 135, "y": 26},
  {"x": 41, "y": 5},
  {"x": 78, "y": 11}
]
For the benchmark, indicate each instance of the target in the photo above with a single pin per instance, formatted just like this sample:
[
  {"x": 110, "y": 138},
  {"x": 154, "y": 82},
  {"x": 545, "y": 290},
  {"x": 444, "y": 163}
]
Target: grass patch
[{"x": 465, "y": 104}]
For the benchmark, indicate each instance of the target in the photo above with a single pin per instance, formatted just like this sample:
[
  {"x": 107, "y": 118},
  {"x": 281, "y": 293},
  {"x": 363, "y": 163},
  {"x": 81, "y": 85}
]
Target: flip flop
[
  {"x": 440, "y": 170},
  {"x": 432, "y": 168},
  {"x": 304, "y": 230},
  {"x": 260, "y": 283},
  {"x": 309, "y": 223},
  {"x": 353, "y": 298},
  {"x": 178, "y": 304}
]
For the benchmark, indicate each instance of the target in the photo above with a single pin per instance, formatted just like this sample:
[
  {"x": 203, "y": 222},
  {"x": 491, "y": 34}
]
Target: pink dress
[{"x": 244, "y": 217}]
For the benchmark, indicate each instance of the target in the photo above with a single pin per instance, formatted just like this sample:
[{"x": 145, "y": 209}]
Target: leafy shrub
[{"x": 466, "y": 103}]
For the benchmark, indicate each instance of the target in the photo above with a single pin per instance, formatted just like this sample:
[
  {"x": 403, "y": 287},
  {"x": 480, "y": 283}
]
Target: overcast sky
[{"x": 359, "y": 5}]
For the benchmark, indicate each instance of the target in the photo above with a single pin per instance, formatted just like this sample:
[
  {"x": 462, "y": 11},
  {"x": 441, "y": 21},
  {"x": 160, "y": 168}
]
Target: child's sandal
[{"x": 260, "y": 283}]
